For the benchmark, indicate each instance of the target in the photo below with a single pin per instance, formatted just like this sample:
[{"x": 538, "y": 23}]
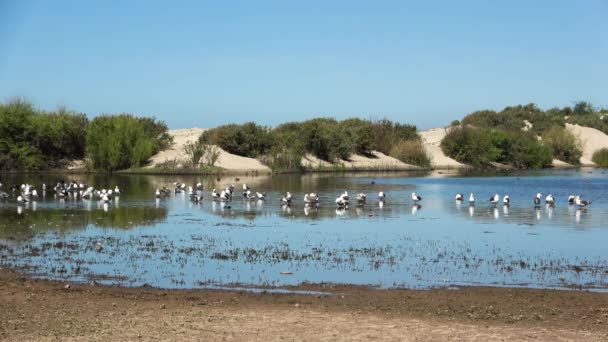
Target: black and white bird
[
  {"x": 311, "y": 199},
  {"x": 506, "y": 200},
  {"x": 537, "y": 199},
  {"x": 286, "y": 200},
  {"x": 381, "y": 196},
  {"x": 459, "y": 197},
  {"x": 260, "y": 195},
  {"x": 471, "y": 199},
  {"x": 116, "y": 191},
  {"x": 571, "y": 199},
  {"x": 550, "y": 199},
  {"x": 341, "y": 202},
  {"x": 416, "y": 198},
  {"x": 215, "y": 195},
  {"x": 21, "y": 199},
  {"x": 494, "y": 199},
  {"x": 361, "y": 198},
  {"x": 581, "y": 203}
]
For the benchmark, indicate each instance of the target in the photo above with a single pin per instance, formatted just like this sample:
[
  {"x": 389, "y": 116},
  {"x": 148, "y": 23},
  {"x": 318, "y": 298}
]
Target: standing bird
[
  {"x": 550, "y": 199},
  {"x": 459, "y": 197},
  {"x": 116, "y": 191},
  {"x": 416, "y": 198},
  {"x": 494, "y": 199},
  {"x": 506, "y": 200},
  {"x": 361, "y": 198},
  {"x": 580, "y": 203},
  {"x": 471, "y": 199},
  {"x": 341, "y": 202},
  {"x": 381, "y": 196},
  {"x": 286, "y": 200},
  {"x": 571, "y": 199},
  {"x": 537, "y": 199}
]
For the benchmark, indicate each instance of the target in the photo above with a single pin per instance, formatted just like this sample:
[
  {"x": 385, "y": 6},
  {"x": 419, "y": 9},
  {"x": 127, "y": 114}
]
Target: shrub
[
  {"x": 247, "y": 140},
  {"x": 388, "y": 133},
  {"x": 563, "y": 144},
  {"x": 481, "y": 146},
  {"x": 600, "y": 157},
  {"x": 32, "y": 139},
  {"x": 471, "y": 146},
  {"x": 122, "y": 141},
  {"x": 212, "y": 155},
  {"x": 411, "y": 152}
]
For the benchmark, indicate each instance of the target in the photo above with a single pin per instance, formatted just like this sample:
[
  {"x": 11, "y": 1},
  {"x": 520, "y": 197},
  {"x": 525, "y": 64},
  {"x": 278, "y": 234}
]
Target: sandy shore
[
  {"x": 38, "y": 310},
  {"x": 432, "y": 141}
]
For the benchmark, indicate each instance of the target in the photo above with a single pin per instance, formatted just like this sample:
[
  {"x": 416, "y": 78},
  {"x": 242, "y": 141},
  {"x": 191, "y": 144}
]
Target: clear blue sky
[{"x": 203, "y": 63}]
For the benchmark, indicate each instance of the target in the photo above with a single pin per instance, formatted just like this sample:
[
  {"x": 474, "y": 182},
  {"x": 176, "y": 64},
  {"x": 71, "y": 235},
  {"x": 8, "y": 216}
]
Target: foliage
[
  {"x": 388, "y": 133},
  {"x": 122, "y": 141},
  {"x": 564, "y": 145},
  {"x": 482, "y": 146},
  {"x": 600, "y": 157},
  {"x": 195, "y": 150},
  {"x": 247, "y": 140},
  {"x": 212, "y": 155},
  {"x": 411, "y": 152},
  {"x": 31, "y": 139}
]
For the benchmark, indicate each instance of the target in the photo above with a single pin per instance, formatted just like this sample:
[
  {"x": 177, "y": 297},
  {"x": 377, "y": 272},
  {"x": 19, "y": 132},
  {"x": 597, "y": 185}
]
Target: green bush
[
  {"x": 411, "y": 152},
  {"x": 388, "y": 133},
  {"x": 31, "y": 139},
  {"x": 564, "y": 145},
  {"x": 122, "y": 141},
  {"x": 482, "y": 146},
  {"x": 601, "y": 158},
  {"x": 247, "y": 140}
]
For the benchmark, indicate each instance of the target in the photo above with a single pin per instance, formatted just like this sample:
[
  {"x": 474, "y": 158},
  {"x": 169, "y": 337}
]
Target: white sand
[
  {"x": 591, "y": 141},
  {"x": 226, "y": 160},
  {"x": 431, "y": 140},
  {"x": 379, "y": 161}
]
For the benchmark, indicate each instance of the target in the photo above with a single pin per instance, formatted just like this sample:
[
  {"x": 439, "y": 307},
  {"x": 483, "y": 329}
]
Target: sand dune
[
  {"x": 432, "y": 141},
  {"x": 592, "y": 140}
]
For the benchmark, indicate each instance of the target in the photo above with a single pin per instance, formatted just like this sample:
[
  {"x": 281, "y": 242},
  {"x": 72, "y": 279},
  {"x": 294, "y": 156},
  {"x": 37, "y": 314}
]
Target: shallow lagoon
[{"x": 175, "y": 243}]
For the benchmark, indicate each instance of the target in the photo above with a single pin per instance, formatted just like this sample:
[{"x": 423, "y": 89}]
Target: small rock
[
  {"x": 67, "y": 286},
  {"x": 163, "y": 306}
]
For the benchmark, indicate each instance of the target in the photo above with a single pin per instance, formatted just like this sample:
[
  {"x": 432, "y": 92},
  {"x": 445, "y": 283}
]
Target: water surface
[{"x": 175, "y": 243}]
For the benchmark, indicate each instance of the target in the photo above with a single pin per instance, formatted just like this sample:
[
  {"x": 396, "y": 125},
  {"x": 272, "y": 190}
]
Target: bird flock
[
  {"x": 62, "y": 190},
  {"x": 537, "y": 200}
]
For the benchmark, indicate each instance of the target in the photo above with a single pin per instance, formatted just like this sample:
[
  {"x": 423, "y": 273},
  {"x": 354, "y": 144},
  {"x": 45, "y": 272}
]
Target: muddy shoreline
[{"x": 34, "y": 309}]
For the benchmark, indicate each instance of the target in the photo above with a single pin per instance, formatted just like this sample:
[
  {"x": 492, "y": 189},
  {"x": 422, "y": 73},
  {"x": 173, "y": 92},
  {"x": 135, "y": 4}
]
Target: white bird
[
  {"x": 225, "y": 196},
  {"x": 105, "y": 198},
  {"x": 361, "y": 198},
  {"x": 344, "y": 196},
  {"x": 311, "y": 199},
  {"x": 506, "y": 200},
  {"x": 571, "y": 199},
  {"x": 494, "y": 199},
  {"x": 286, "y": 199},
  {"x": 260, "y": 195},
  {"x": 471, "y": 199},
  {"x": 459, "y": 197},
  {"x": 116, "y": 190},
  {"x": 20, "y": 199},
  {"x": 580, "y": 203},
  {"x": 415, "y": 197},
  {"x": 157, "y": 193},
  {"x": 549, "y": 199},
  {"x": 214, "y": 194},
  {"x": 537, "y": 199},
  {"x": 341, "y": 202},
  {"x": 381, "y": 196}
]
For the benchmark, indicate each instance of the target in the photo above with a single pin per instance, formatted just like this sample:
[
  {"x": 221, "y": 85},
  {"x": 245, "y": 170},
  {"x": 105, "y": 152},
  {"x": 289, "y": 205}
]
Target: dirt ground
[{"x": 39, "y": 310}]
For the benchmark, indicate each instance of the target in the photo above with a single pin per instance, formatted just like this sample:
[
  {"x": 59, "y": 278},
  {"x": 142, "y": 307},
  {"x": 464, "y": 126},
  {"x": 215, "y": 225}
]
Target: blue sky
[{"x": 203, "y": 63}]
